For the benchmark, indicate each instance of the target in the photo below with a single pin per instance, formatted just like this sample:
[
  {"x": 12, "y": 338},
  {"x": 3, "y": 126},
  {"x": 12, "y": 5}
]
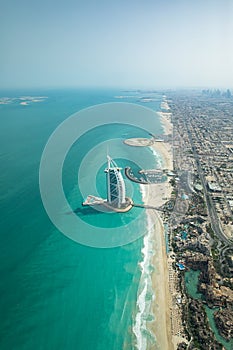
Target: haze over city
[{"x": 126, "y": 44}]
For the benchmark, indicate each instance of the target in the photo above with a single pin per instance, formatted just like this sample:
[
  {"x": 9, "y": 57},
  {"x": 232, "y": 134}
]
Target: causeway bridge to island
[{"x": 146, "y": 206}]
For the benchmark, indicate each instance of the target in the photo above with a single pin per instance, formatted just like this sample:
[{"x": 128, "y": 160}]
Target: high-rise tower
[
  {"x": 116, "y": 197},
  {"x": 115, "y": 184}
]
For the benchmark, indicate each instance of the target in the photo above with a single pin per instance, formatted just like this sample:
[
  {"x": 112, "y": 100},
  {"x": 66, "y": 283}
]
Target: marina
[{"x": 146, "y": 177}]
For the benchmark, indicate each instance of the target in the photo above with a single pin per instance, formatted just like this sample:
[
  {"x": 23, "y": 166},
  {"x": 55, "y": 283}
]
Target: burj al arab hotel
[
  {"x": 115, "y": 184},
  {"x": 116, "y": 193}
]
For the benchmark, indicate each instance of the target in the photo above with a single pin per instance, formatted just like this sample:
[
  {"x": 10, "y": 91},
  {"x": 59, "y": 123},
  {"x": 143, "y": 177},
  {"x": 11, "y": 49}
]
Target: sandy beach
[
  {"x": 165, "y": 151},
  {"x": 164, "y": 104},
  {"x": 157, "y": 195},
  {"x": 165, "y": 148},
  {"x": 161, "y": 326},
  {"x": 165, "y": 118}
]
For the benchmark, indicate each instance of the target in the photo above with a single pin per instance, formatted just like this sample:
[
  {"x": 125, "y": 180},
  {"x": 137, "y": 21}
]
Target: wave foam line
[
  {"x": 158, "y": 158},
  {"x": 145, "y": 292}
]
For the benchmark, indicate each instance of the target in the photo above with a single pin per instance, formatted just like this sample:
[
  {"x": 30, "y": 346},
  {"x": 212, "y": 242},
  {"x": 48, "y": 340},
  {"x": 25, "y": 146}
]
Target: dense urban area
[{"x": 199, "y": 218}]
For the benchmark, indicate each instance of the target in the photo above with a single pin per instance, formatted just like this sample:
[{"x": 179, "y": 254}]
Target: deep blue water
[{"x": 54, "y": 292}]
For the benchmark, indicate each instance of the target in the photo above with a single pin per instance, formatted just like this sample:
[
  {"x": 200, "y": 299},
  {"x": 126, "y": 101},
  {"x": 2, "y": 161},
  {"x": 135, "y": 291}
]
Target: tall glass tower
[{"x": 115, "y": 185}]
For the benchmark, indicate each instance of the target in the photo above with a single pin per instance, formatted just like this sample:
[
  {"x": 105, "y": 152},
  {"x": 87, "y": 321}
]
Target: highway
[{"x": 210, "y": 206}]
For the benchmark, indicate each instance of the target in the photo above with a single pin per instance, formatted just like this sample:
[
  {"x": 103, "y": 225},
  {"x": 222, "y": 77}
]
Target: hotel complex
[
  {"x": 116, "y": 194},
  {"x": 115, "y": 185}
]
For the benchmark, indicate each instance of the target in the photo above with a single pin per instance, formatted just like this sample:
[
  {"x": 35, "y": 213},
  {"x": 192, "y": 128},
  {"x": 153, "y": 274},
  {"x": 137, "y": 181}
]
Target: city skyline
[{"x": 133, "y": 44}]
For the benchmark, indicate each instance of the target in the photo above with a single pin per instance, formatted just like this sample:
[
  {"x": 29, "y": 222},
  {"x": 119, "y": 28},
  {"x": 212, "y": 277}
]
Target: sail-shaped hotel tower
[
  {"x": 115, "y": 185},
  {"x": 116, "y": 194}
]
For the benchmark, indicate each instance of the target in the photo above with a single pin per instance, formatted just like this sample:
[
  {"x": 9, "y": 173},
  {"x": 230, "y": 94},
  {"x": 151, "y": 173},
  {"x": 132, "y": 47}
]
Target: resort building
[
  {"x": 115, "y": 184},
  {"x": 116, "y": 195}
]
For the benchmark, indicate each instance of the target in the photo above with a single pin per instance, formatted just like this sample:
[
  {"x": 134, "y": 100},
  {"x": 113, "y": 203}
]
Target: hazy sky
[{"x": 125, "y": 43}]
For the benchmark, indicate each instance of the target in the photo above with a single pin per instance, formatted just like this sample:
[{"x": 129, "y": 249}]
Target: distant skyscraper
[{"x": 115, "y": 184}]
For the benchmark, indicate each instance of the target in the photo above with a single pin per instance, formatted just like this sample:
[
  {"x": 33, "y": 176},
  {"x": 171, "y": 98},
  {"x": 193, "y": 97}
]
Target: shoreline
[
  {"x": 160, "y": 326},
  {"x": 154, "y": 315},
  {"x": 165, "y": 118},
  {"x": 157, "y": 195}
]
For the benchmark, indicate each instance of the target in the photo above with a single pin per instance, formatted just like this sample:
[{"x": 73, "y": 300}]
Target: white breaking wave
[
  {"x": 159, "y": 159},
  {"x": 145, "y": 292}
]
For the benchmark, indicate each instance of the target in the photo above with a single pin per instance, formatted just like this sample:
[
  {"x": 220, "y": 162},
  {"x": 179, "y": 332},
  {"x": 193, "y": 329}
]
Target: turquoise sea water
[{"x": 56, "y": 293}]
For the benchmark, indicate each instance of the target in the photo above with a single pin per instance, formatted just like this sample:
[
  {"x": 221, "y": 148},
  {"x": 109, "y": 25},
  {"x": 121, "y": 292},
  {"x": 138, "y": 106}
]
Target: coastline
[
  {"x": 155, "y": 261},
  {"x": 165, "y": 148},
  {"x": 157, "y": 195},
  {"x": 160, "y": 305}
]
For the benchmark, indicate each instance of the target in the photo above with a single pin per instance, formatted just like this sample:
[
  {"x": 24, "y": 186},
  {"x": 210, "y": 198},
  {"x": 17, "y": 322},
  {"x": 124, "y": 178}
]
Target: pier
[
  {"x": 96, "y": 201},
  {"x": 147, "y": 206}
]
